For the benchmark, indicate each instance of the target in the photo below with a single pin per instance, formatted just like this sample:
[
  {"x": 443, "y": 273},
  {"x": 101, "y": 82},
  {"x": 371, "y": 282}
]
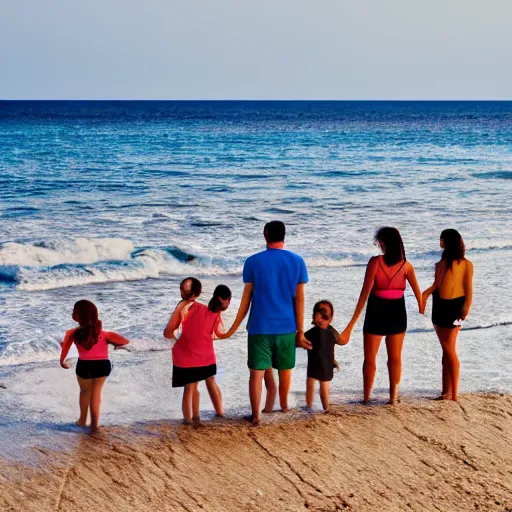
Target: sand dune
[{"x": 421, "y": 455}]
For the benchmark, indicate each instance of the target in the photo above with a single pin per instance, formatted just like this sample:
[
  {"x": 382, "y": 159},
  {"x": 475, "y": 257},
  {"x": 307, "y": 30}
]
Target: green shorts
[{"x": 271, "y": 350}]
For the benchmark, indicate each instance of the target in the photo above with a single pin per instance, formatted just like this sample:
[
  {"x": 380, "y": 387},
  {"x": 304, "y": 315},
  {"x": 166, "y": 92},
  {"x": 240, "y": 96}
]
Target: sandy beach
[{"x": 421, "y": 455}]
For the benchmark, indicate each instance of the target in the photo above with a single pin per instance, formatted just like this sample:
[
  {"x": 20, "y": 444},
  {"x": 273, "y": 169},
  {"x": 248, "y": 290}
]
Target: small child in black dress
[{"x": 321, "y": 362}]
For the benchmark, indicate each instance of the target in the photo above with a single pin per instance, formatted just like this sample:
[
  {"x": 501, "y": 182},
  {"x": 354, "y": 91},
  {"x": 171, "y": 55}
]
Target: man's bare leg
[
  {"x": 285, "y": 382},
  {"x": 270, "y": 385},
  {"x": 255, "y": 388}
]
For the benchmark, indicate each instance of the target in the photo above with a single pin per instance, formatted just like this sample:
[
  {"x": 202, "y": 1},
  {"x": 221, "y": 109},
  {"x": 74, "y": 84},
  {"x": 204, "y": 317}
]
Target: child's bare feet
[
  {"x": 81, "y": 422},
  {"x": 266, "y": 411}
]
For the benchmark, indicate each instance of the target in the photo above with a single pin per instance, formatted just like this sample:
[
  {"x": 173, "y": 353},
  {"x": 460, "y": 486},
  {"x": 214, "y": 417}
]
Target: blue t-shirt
[{"x": 275, "y": 274}]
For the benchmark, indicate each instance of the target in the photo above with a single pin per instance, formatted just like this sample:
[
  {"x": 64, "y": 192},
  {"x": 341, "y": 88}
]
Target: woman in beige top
[{"x": 452, "y": 293}]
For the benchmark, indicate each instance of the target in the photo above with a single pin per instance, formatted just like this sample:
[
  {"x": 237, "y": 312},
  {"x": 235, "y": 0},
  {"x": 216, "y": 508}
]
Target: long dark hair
[
  {"x": 88, "y": 333},
  {"x": 319, "y": 307},
  {"x": 221, "y": 292},
  {"x": 454, "y": 248},
  {"x": 393, "y": 246}
]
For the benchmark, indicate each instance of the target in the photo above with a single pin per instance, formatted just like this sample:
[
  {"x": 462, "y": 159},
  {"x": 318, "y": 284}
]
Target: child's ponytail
[{"x": 221, "y": 292}]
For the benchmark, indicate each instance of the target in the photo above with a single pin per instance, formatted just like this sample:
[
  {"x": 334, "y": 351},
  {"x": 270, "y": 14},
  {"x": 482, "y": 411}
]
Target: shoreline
[{"x": 420, "y": 455}]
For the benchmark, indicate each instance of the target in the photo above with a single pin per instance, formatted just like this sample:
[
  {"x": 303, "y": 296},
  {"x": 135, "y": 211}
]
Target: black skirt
[
  {"x": 385, "y": 316},
  {"x": 93, "y": 369},
  {"x": 446, "y": 311},
  {"x": 183, "y": 376}
]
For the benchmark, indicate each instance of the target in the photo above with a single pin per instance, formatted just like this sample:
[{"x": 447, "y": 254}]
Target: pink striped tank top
[{"x": 389, "y": 281}]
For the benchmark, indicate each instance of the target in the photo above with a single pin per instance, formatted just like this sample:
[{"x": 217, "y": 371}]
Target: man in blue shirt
[{"x": 274, "y": 289}]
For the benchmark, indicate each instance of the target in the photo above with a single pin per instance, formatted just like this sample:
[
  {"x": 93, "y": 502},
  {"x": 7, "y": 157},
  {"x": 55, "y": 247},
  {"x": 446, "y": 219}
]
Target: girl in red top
[
  {"x": 193, "y": 354},
  {"x": 93, "y": 366}
]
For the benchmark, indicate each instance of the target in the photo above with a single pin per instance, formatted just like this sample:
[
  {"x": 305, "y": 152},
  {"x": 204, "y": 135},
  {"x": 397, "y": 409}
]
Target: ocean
[{"x": 117, "y": 202}]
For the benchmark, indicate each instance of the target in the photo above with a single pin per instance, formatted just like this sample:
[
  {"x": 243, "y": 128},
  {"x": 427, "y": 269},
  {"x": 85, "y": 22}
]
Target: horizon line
[{"x": 248, "y": 100}]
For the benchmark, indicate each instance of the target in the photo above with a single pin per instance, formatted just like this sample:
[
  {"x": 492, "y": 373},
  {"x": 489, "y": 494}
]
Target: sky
[{"x": 256, "y": 49}]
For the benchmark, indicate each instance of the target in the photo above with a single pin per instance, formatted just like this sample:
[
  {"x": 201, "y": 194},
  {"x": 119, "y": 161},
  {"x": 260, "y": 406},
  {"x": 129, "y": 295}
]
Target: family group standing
[{"x": 273, "y": 293}]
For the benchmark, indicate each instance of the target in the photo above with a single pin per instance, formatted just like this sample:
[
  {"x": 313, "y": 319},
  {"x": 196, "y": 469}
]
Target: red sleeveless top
[{"x": 195, "y": 346}]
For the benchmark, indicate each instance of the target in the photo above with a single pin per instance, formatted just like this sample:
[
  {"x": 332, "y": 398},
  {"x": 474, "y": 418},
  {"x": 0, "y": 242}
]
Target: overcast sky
[{"x": 256, "y": 49}]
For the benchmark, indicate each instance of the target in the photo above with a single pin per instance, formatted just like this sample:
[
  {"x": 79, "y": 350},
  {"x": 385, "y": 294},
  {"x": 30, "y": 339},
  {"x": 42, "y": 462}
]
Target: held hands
[
  {"x": 66, "y": 364},
  {"x": 225, "y": 335},
  {"x": 302, "y": 341},
  {"x": 345, "y": 336}
]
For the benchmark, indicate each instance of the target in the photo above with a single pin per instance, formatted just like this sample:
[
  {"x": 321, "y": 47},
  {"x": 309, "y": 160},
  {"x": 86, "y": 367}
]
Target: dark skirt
[
  {"x": 183, "y": 376},
  {"x": 385, "y": 316},
  {"x": 446, "y": 311},
  {"x": 93, "y": 369}
]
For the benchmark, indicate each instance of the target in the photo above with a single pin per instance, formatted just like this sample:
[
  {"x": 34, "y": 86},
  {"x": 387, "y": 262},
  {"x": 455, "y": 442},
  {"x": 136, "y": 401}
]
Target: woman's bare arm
[
  {"x": 468, "y": 289},
  {"x": 245, "y": 304},
  {"x": 339, "y": 339},
  {"x": 430, "y": 290},
  {"x": 410, "y": 275},
  {"x": 369, "y": 278}
]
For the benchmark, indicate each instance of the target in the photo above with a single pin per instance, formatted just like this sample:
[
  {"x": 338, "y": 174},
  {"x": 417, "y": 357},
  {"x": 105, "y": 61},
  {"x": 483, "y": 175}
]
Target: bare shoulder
[
  {"x": 373, "y": 262},
  {"x": 371, "y": 267},
  {"x": 468, "y": 265},
  {"x": 408, "y": 266}
]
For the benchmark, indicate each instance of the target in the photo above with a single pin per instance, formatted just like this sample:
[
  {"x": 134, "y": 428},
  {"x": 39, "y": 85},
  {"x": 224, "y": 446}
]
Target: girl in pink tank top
[
  {"x": 193, "y": 354},
  {"x": 93, "y": 366}
]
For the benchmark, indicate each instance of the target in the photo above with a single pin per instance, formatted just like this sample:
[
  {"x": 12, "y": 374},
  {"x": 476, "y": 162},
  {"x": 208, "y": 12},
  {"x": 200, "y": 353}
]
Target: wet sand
[{"x": 420, "y": 455}]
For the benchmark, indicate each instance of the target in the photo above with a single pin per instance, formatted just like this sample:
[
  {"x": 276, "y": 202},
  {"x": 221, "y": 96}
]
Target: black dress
[{"x": 321, "y": 356}]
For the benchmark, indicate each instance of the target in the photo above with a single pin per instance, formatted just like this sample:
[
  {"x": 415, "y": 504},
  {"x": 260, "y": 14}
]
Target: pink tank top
[
  {"x": 389, "y": 281},
  {"x": 98, "y": 351},
  {"x": 195, "y": 346}
]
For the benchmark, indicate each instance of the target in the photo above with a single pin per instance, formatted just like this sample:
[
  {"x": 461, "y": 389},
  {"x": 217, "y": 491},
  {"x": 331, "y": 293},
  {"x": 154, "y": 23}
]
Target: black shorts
[
  {"x": 93, "y": 369},
  {"x": 446, "y": 311},
  {"x": 385, "y": 316},
  {"x": 183, "y": 376}
]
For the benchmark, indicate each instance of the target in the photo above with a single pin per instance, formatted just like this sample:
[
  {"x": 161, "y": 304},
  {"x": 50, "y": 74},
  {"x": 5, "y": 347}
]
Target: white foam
[
  {"x": 148, "y": 264},
  {"x": 326, "y": 262},
  {"x": 80, "y": 251}
]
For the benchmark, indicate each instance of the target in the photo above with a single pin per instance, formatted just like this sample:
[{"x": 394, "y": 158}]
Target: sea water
[{"x": 117, "y": 202}]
